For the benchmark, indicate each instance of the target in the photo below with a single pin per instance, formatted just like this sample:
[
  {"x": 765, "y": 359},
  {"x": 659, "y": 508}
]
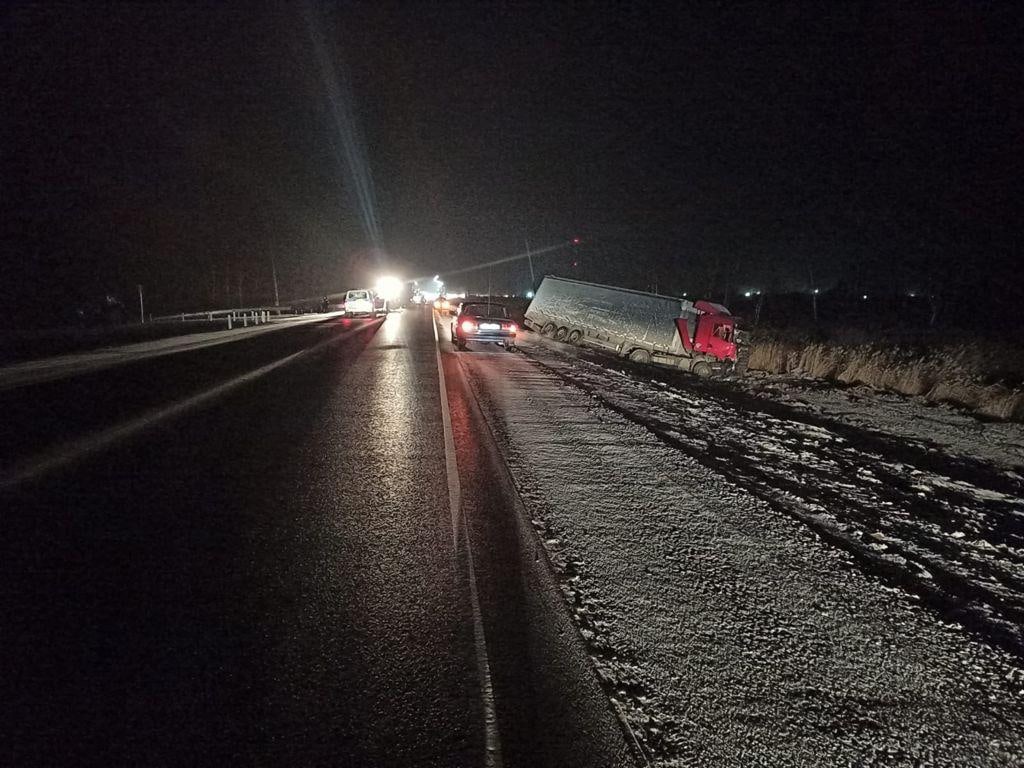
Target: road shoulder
[{"x": 730, "y": 634}]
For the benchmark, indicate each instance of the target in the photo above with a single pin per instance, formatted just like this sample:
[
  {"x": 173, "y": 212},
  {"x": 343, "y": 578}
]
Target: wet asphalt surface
[{"x": 270, "y": 578}]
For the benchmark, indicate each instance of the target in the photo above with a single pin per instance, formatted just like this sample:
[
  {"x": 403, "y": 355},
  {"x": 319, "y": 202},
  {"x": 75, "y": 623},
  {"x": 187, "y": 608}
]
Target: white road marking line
[
  {"x": 620, "y": 713},
  {"x": 492, "y": 756},
  {"x": 77, "y": 449},
  {"x": 29, "y": 372},
  {"x": 450, "y": 464}
]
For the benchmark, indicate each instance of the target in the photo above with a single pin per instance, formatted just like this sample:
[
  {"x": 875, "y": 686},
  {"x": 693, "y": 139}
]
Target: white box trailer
[{"x": 696, "y": 336}]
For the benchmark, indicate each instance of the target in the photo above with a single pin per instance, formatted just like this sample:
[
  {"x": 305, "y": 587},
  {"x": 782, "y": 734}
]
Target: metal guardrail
[
  {"x": 239, "y": 316},
  {"x": 257, "y": 315}
]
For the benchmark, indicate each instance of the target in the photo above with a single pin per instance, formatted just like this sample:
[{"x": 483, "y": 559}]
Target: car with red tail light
[{"x": 484, "y": 323}]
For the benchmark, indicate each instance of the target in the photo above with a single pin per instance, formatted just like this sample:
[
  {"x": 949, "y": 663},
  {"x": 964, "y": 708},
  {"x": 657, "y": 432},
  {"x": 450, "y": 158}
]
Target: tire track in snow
[{"x": 905, "y": 524}]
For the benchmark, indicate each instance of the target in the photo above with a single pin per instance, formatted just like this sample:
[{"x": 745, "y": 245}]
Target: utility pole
[
  {"x": 273, "y": 268},
  {"x": 240, "y": 290},
  {"x": 142, "y": 312},
  {"x": 529, "y": 259},
  {"x": 814, "y": 292}
]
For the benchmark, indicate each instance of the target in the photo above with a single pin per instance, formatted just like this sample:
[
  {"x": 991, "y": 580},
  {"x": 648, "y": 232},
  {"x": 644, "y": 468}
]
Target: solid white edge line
[
  {"x": 492, "y": 755},
  {"x": 77, "y": 449},
  {"x": 60, "y": 367},
  {"x": 524, "y": 515},
  {"x": 450, "y": 464}
]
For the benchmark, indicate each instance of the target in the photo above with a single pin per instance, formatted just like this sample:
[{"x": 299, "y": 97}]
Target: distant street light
[{"x": 529, "y": 294}]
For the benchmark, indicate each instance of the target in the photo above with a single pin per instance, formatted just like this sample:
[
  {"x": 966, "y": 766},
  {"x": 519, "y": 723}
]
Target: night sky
[{"x": 706, "y": 148}]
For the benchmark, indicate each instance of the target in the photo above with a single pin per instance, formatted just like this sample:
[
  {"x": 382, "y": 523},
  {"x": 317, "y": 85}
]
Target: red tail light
[
  {"x": 511, "y": 327},
  {"x": 468, "y": 326}
]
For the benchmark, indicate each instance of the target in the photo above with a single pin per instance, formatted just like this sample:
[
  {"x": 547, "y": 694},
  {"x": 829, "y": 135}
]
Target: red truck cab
[{"x": 712, "y": 334}]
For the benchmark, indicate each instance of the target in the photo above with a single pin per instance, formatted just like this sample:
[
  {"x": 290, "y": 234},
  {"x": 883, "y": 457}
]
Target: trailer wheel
[
  {"x": 561, "y": 333},
  {"x": 640, "y": 356},
  {"x": 574, "y": 336},
  {"x": 701, "y": 369},
  {"x": 547, "y": 329}
]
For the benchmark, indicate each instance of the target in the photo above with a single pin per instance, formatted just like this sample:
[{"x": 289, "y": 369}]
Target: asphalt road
[{"x": 246, "y": 555}]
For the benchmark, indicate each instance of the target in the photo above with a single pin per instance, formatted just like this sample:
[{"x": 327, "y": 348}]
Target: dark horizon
[{"x": 700, "y": 150}]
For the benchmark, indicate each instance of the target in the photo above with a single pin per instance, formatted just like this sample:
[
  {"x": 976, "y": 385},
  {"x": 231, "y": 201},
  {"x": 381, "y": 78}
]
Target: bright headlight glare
[{"x": 389, "y": 288}]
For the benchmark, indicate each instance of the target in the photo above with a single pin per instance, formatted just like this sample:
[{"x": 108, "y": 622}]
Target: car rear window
[
  {"x": 357, "y": 295},
  {"x": 483, "y": 310}
]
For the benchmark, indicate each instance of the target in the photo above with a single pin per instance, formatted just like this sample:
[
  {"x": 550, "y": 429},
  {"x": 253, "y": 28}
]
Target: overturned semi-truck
[{"x": 696, "y": 336}]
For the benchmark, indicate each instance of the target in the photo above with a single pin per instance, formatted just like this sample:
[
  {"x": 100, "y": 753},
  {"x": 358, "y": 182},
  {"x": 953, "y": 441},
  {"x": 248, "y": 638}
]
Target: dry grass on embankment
[{"x": 981, "y": 378}]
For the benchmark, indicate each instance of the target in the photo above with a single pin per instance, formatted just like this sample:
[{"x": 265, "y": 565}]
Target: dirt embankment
[{"x": 984, "y": 378}]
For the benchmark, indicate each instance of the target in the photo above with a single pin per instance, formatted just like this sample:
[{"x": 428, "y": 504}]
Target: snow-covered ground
[
  {"x": 765, "y": 586},
  {"x": 75, "y": 364},
  {"x": 951, "y": 429}
]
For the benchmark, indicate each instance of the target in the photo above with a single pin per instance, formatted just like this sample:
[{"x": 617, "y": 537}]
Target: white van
[{"x": 359, "y": 303}]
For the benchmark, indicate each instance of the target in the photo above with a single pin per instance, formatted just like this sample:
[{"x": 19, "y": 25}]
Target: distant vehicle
[
  {"x": 444, "y": 306},
  {"x": 483, "y": 322},
  {"x": 361, "y": 302},
  {"x": 696, "y": 336}
]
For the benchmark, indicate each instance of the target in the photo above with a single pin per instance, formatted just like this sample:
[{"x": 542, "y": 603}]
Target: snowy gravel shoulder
[
  {"x": 952, "y": 429},
  {"x": 946, "y": 527},
  {"x": 728, "y": 632}
]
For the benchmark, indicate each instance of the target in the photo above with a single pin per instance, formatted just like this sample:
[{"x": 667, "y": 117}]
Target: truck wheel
[
  {"x": 561, "y": 333},
  {"x": 701, "y": 369},
  {"x": 640, "y": 356},
  {"x": 548, "y": 329},
  {"x": 574, "y": 336}
]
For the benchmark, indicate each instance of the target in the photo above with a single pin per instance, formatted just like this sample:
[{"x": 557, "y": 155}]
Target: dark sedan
[{"x": 485, "y": 322}]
